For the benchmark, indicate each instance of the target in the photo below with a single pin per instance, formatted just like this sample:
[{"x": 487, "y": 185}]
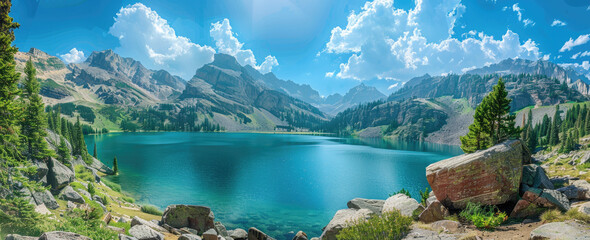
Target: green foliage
[
  {"x": 390, "y": 226},
  {"x": 84, "y": 174},
  {"x": 77, "y": 221},
  {"x": 424, "y": 196},
  {"x": 63, "y": 152},
  {"x": 91, "y": 189},
  {"x": 115, "y": 187},
  {"x": 492, "y": 121},
  {"x": 18, "y": 216},
  {"x": 402, "y": 191},
  {"x": 77, "y": 185},
  {"x": 151, "y": 210},
  {"x": 125, "y": 226},
  {"x": 484, "y": 217},
  {"x": 34, "y": 122},
  {"x": 128, "y": 199}
]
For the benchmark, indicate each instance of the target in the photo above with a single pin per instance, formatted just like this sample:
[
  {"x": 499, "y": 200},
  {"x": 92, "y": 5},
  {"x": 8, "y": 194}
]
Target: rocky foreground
[{"x": 504, "y": 175}]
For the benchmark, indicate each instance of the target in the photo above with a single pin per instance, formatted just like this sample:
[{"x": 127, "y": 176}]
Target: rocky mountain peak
[
  {"x": 38, "y": 53},
  {"x": 226, "y": 62}
]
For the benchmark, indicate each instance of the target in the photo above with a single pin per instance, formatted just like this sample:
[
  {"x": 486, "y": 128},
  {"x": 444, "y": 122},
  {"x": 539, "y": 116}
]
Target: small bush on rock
[
  {"x": 424, "y": 196},
  {"x": 390, "y": 226},
  {"x": 402, "y": 191},
  {"x": 151, "y": 210},
  {"x": 485, "y": 217}
]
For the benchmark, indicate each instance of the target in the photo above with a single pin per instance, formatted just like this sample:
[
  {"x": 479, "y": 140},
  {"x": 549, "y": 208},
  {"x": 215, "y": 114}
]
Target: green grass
[
  {"x": 115, "y": 187},
  {"x": 128, "y": 199},
  {"x": 77, "y": 185},
  {"x": 125, "y": 226},
  {"x": 555, "y": 215},
  {"x": 483, "y": 217},
  {"x": 84, "y": 174},
  {"x": 391, "y": 225},
  {"x": 151, "y": 210}
]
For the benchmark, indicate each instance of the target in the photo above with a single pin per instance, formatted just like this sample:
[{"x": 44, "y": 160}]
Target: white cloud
[
  {"x": 330, "y": 74},
  {"x": 527, "y": 22},
  {"x": 582, "y": 39},
  {"x": 584, "y": 66},
  {"x": 226, "y": 42},
  {"x": 581, "y": 54},
  {"x": 546, "y": 57},
  {"x": 74, "y": 56},
  {"x": 392, "y": 86},
  {"x": 145, "y": 36},
  {"x": 505, "y": 8},
  {"x": 558, "y": 23},
  {"x": 468, "y": 69},
  {"x": 386, "y": 42}
]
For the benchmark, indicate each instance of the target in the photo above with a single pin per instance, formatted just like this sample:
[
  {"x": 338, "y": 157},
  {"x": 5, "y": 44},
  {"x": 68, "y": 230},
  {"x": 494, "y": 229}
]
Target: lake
[{"x": 277, "y": 183}]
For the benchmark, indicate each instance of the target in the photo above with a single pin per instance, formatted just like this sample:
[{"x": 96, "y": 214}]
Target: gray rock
[
  {"x": 42, "y": 209},
  {"x": 221, "y": 230},
  {"x": 255, "y": 234},
  {"x": 401, "y": 202},
  {"x": 172, "y": 230},
  {"x": 372, "y": 204},
  {"x": 430, "y": 200},
  {"x": 189, "y": 237},
  {"x": 188, "y": 230},
  {"x": 300, "y": 236},
  {"x": 98, "y": 165},
  {"x": 434, "y": 212},
  {"x": 210, "y": 234},
  {"x": 85, "y": 193},
  {"x": 59, "y": 176},
  {"x": 93, "y": 171},
  {"x": 97, "y": 199},
  {"x": 423, "y": 234},
  {"x": 585, "y": 208},
  {"x": 342, "y": 219},
  {"x": 45, "y": 197},
  {"x": 561, "y": 230},
  {"x": 199, "y": 218},
  {"x": 42, "y": 170},
  {"x": 19, "y": 237},
  {"x": 139, "y": 221},
  {"x": 238, "y": 234},
  {"x": 125, "y": 237},
  {"x": 58, "y": 235},
  {"x": 70, "y": 205},
  {"x": 534, "y": 176},
  {"x": 69, "y": 194},
  {"x": 116, "y": 229},
  {"x": 143, "y": 232},
  {"x": 547, "y": 198},
  {"x": 124, "y": 220},
  {"x": 578, "y": 190},
  {"x": 446, "y": 226}
]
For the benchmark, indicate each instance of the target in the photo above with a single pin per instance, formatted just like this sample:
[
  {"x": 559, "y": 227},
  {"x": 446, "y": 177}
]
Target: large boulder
[
  {"x": 139, "y": 221},
  {"x": 524, "y": 208},
  {"x": 374, "y": 205},
  {"x": 69, "y": 194},
  {"x": 342, "y": 219},
  {"x": 255, "y": 234},
  {"x": 210, "y": 234},
  {"x": 143, "y": 232},
  {"x": 578, "y": 190},
  {"x": 58, "y": 175},
  {"x": 19, "y": 237},
  {"x": 406, "y": 205},
  {"x": 490, "y": 176},
  {"x": 238, "y": 234},
  {"x": 45, "y": 197},
  {"x": 561, "y": 230},
  {"x": 534, "y": 176},
  {"x": 547, "y": 198},
  {"x": 434, "y": 212},
  {"x": 199, "y": 218},
  {"x": 101, "y": 167},
  {"x": 585, "y": 208},
  {"x": 189, "y": 237},
  {"x": 42, "y": 170},
  {"x": 57, "y": 235}
]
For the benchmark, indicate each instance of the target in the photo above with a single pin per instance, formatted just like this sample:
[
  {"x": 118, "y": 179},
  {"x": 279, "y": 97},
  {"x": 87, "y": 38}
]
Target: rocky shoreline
[{"x": 505, "y": 176}]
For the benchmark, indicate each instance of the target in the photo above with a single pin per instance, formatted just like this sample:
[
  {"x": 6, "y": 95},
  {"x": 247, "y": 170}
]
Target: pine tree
[
  {"x": 35, "y": 121},
  {"x": 554, "y": 132},
  {"x": 94, "y": 153},
  {"x": 115, "y": 165},
  {"x": 63, "y": 152},
  {"x": 499, "y": 117},
  {"x": 476, "y": 138}
]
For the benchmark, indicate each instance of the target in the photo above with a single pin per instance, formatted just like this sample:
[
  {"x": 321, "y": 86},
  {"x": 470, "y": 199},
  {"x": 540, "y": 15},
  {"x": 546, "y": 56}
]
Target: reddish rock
[
  {"x": 547, "y": 198},
  {"x": 434, "y": 212},
  {"x": 490, "y": 176},
  {"x": 525, "y": 209}
]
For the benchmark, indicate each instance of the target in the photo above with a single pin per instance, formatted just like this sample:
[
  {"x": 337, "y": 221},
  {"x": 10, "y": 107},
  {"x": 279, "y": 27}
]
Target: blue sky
[{"x": 332, "y": 45}]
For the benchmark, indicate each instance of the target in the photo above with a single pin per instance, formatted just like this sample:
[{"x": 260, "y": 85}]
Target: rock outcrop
[
  {"x": 374, "y": 205},
  {"x": 490, "y": 176},
  {"x": 434, "y": 212},
  {"x": 547, "y": 198},
  {"x": 343, "y": 219},
  {"x": 401, "y": 202},
  {"x": 561, "y": 230},
  {"x": 58, "y": 175},
  {"x": 143, "y": 232},
  {"x": 578, "y": 190},
  {"x": 57, "y": 235},
  {"x": 199, "y": 218},
  {"x": 69, "y": 194}
]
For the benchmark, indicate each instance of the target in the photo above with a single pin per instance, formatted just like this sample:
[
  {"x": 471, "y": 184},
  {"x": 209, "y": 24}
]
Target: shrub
[
  {"x": 424, "y": 196},
  {"x": 84, "y": 174},
  {"x": 125, "y": 226},
  {"x": 151, "y": 210},
  {"x": 402, "y": 191},
  {"x": 76, "y": 222},
  {"x": 77, "y": 185},
  {"x": 485, "y": 217},
  {"x": 18, "y": 216},
  {"x": 128, "y": 199},
  {"x": 91, "y": 189},
  {"x": 113, "y": 186},
  {"x": 391, "y": 225}
]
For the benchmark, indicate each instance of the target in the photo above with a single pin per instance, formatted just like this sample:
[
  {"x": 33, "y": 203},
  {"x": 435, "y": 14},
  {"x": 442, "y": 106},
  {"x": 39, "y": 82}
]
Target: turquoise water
[{"x": 278, "y": 183}]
